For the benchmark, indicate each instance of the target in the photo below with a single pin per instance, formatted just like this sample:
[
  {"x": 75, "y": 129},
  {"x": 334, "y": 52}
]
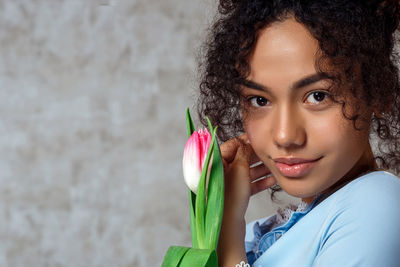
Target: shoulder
[
  {"x": 369, "y": 196},
  {"x": 375, "y": 189},
  {"x": 378, "y": 177},
  {"x": 364, "y": 215}
]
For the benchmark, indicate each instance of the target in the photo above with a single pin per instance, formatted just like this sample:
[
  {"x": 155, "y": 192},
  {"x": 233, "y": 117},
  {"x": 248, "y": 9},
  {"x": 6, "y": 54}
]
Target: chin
[{"x": 299, "y": 190}]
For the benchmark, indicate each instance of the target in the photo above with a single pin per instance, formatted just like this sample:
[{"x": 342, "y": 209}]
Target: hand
[{"x": 238, "y": 156}]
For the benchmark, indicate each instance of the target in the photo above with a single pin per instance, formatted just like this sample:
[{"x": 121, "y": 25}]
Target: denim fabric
[{"x": 358, "y": 225}]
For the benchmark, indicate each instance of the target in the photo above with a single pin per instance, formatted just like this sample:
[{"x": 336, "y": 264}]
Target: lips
[{"x": 295, "y": 167}]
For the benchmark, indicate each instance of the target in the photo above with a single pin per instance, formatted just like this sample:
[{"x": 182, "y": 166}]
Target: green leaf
[
  {"x": 201, "y": 199},
  {"x": 215, "y": 198},
  {"x": 192, "y": 203},
  {"x": 174, "y": 256},
  {"x": 192, "y": 196},
  {"x": 189, "y": 124},
  {"x": 199, "y": 258},
  {"x": 210, "y": 127}
]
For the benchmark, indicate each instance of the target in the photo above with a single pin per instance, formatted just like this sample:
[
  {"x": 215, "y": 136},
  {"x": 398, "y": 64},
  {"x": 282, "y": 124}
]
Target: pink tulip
[{"x": 194, "y": 156}]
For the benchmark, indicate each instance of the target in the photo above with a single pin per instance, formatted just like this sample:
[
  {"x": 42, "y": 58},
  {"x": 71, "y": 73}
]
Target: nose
[{"x": 288, "y": 129}]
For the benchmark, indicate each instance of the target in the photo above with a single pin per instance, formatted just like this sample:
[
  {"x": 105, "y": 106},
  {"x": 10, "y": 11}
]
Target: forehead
[{"x": 284, "y": 48}]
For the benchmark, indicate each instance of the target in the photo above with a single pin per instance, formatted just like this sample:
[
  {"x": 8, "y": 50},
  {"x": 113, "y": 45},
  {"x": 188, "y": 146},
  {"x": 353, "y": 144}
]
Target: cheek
[
  {"x": 256, "y": 132},
  {"x": 325, "y": 132},
  {"x": 338, "y": 138}
]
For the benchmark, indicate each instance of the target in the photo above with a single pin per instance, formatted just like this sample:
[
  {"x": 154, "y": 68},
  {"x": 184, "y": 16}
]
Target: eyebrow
[{"x": 313, "y": 78}]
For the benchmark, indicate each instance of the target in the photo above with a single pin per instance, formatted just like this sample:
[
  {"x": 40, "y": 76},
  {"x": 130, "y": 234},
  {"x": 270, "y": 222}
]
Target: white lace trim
[{"x": 284, "y": 214}]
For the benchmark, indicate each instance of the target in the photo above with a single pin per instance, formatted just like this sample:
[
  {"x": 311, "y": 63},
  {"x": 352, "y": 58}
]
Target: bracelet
[{"x": 243, "y": 264}]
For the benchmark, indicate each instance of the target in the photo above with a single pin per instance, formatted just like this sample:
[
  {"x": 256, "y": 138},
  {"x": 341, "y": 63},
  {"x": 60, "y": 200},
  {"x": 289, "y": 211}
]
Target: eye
[
  {"x": 257, "y": 101},
  {"x": 317, "y": 97}
]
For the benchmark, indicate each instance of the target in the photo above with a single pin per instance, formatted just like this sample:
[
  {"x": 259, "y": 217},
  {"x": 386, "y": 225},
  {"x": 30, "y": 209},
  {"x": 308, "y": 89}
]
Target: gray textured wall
[{"x": 93, "y": 97}]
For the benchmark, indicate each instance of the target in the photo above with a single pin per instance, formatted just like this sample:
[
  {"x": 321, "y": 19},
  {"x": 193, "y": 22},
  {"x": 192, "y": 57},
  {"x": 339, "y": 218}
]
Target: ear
[
  {"x": 381, "y": 113},
  {"x": 378, "y": 114}
]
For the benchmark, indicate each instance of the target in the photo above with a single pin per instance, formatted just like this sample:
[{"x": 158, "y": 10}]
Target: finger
[
  {"x": 246, "y": 141},
  {"x": 229, "y": 148},
  {"x": 249, "y": 155},
  {"x": 243, "y": 155},
  {"x": 244, "y": 138},
  {"x": 258, "y": 171},
  {"x": 262, "y": 184}
]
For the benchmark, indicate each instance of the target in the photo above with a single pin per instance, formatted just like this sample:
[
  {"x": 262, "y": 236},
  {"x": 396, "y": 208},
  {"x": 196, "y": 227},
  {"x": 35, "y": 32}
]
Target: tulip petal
[
  {"x": 205, "y": 140},
  {"x": 191, "y": 162},
  {"x": 194, "y": 156}
]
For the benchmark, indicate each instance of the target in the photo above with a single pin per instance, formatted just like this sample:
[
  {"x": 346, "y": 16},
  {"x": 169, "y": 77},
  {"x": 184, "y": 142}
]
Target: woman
[{"x": 305, "y": 84}]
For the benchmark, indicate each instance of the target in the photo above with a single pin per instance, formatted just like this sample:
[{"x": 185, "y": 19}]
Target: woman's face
[{"x": 288, "y": 114}]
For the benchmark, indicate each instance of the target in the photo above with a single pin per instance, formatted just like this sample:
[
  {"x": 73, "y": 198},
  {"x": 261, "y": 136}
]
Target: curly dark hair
[{"x": 353, "y": 36}]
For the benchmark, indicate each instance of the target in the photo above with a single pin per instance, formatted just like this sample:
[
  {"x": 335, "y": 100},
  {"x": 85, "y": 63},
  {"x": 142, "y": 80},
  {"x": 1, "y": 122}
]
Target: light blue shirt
[{"x": 358, "y": 225}]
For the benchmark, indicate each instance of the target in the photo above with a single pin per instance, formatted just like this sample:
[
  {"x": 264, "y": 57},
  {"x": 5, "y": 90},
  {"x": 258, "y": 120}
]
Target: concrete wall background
[{"x": 93, "y": 97}]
